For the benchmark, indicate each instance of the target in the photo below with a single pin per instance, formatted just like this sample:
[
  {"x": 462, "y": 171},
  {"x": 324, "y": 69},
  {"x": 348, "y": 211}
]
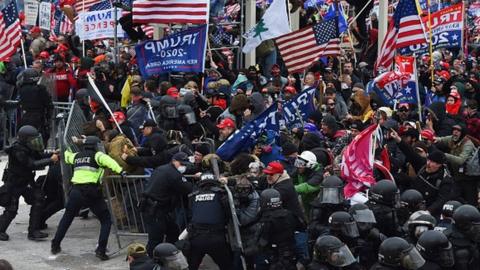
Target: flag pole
[
  {"x": 417, "y": 89},
  {"x": 23, "y": 52},
  {"x": 429, "y": 23},
  {"x": 83, "y": 41},
  {"x": 359, "y": 13},
  {"x": 115, "y": 35},
  {"x": 382, "y": 23}
]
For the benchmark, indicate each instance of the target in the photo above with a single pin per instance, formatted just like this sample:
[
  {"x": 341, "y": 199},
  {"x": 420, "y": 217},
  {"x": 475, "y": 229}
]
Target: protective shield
[
  {"x": 350, "y": 229},
  {"x": 446, "y": 257},
  {"x": 190, "y": 118},
  {"x": 176, "y": 262},
  {"x": 340, "y": 257},
  {"x": 171, "y": 112},
  {"x": 330, "y": 195},
  {"x": 474, "y": 232},
  {"x": 300, "y": 163},
  {"x": 364, "y": 216},
  {"x": 412, "y": 260},
  {"x": 36, "y": 143}
]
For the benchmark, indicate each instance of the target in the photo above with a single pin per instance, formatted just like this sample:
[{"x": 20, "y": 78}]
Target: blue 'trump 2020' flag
[
  {"x": 247, "y": 136},
  {"x": 300, "y": 105},
  {"x": 180, "y": 52}
]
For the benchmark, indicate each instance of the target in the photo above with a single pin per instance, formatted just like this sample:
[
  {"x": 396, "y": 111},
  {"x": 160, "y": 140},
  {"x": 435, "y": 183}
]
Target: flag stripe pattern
[
  {"x": 170, "y": 11},
  {"x": 387, "y": 52},
  {"x": 148, "y": 30},
  {"x": 408, "y": 24},
  {"x": 88, "y": 4},
  {"x": 10, "y": 30},
  {"x": 302, "y": 47}
]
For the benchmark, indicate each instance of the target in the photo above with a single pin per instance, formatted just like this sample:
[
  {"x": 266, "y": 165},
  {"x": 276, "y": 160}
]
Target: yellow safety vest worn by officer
[{"x": 88, "y": 167}]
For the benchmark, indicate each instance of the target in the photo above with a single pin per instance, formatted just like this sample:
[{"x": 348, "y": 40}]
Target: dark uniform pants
[
  {"x": 90, "y": 196},
  {"x": 159, "y": 226},
  {"x": 212, "y": 243},
  {"x": 32, "y": 196}
]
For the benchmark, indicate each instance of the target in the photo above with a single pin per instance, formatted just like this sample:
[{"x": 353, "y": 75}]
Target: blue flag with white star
[
  {"x": 299, "y": 106},
  {"x": 394, "y": 92},
  {"x": 247, "y": 136}
]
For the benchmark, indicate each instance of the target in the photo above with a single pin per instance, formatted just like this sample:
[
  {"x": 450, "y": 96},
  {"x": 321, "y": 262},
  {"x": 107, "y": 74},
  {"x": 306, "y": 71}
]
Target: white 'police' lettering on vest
[
  {"x": 204, "y": 197},
  {"x": 82, "y": 160}
]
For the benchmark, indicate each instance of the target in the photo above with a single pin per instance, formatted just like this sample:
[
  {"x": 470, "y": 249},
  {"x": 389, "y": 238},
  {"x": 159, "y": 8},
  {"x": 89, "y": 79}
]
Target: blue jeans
[{"x": 301, "y": 247}]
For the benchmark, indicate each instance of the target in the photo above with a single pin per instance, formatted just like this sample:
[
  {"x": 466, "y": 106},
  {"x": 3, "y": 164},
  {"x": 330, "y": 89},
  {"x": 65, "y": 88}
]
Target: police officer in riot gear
[
  {"x": 370, "y": 237},
  {"x": 329, "y": 200},
  {"x": 465, "y": 237},
  {"x": 207, "y": 228},
  {"x": 411, "y": 200},
  {"x": 169, "y": 257},
  {"x": 330, "y": 254},
  {"x": 88, "y": 168},
  {"x": 436, "y": 250},
  {"x": 384, "y": 199},
  {"x": 418, "y": 223},
  {"x": 397, "y": 254},
  {"x": 162, "y": 195},
  {"x": 169, "y": 113},
  {"x": 35, "y": 103},
  {"x": 446, "y": 218},
  {"x": 276, "y": 237},
  {"x": 24, "y": 157}
]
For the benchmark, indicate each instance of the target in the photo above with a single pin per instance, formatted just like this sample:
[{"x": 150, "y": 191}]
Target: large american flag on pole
[
  {"x": 302, "y": 47},
  {"x": 405, "y": 29},
  {"x": 10, "y": 30},
  {"x": 60, "y": 25},
  {"x": 82, "y": 5},
  {"x": 170, "y": 11}
]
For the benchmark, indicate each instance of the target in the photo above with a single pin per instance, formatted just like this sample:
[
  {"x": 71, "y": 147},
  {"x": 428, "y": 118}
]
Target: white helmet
[{"x": 307, "y": 159}]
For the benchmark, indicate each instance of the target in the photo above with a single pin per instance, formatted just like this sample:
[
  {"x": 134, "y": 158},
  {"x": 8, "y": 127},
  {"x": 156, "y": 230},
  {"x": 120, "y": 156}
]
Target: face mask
[{"x": 182, "y": 169}]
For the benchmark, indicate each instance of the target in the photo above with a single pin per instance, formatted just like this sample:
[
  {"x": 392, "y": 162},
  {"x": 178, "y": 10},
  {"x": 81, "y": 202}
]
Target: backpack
[{"x": 472, "y": 165}]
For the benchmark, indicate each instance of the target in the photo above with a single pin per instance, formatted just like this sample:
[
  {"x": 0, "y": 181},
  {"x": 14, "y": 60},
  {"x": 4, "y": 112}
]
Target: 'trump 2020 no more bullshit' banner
[{"x": 180, "y": 52}]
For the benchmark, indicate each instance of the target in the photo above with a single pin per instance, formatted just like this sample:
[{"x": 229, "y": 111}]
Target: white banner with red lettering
[
  {"x": 357, "y": 162},
  {"x": 98, "y": 25}
]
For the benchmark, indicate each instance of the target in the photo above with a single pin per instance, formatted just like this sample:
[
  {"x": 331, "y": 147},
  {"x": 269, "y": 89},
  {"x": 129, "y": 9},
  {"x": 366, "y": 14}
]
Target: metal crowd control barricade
[
  {"x": 123, "y": 195},
  {"x": 9, "y": 121}
]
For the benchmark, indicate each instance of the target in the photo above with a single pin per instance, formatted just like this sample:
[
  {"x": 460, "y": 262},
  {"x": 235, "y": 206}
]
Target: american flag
[
  {"x": 220, "y": 36},
  {"x": 405, "y": 29},
  {"x": 232, "y": 10},
  {"x": 302, "y": 47},
  {"x": 148, "y": 30},
  {"x": 10, "y": 30},
  {"x": 408, "y": 24},
  {"x": 170, "y": 11},
  {"x": 106, "y": 4},
  {"x": 387, "y": 51},
  {"x": 60, "y": 24},
  {"x": 88, "y": 4}
]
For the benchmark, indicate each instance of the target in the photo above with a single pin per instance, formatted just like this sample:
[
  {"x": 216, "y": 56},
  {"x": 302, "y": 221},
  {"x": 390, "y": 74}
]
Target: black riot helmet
[
  {"x": 81, "y": 96},
  {"x": 420, "y": 222},
  {"x": 450, "y": 207},
  {"x": 30, "y": 137},
  {"x": 412, "y": 199},
  {"x": 385, "y": 192},
  {"x": 434, "y": 246},
  {"x": 168, "y": 107},
  {"x": 331, "y": 190},
  {"x": 187, "y": 114},
  {"x": 467, "y": 221},
  {"x": 364, "y": 217},
  {"x": 333, "y": 251},
  {"x": 343, "y": 223},
  {"x": 91, "y": 143},
  {"x": 29, "y": 76},
  {"x": 397, "y": 252},
  {"x": 270, "y": 199},
  {"x": 169, "y": 256}
]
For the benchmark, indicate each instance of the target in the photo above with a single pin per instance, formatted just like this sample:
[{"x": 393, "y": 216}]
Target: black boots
[
  {"x": 37, "y": 235},
  {"x": 55, "y": 249},
  {"x": 4, "y": 236},
  {"x": 102, "y": 255}
]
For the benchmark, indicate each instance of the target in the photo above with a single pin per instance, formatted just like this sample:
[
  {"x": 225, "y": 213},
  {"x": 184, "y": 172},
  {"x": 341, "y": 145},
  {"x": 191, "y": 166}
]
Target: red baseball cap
[
  {"x": 273, "y": 167},
  {"x": 227, "y": 122},
  {"x": 119, "y": 116},
  {"x": 173, "y": 92},
  {"x": 36, "y": 30},
  {"x": 427, "y": 134}
]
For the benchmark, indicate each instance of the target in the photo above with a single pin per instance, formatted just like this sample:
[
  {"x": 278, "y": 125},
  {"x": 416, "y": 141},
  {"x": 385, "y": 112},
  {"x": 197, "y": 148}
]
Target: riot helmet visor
[
  {"x": 331, "y": 195},
  {"x": 412, "y": 260},
  {"x": 340, "y": 257}
]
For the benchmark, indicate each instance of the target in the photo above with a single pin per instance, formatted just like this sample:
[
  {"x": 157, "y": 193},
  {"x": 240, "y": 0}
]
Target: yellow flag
[{"x": 126, "y": 92}]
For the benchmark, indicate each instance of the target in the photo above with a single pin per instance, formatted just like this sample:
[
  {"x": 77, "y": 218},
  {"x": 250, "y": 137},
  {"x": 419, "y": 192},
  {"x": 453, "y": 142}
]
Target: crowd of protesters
[{"x": 287, "y": 190}]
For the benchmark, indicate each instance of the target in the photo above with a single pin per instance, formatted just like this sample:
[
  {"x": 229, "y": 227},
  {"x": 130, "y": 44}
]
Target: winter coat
[
  {"x": 459, "y": 152},
  {"x": 115, "y": 150}
]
